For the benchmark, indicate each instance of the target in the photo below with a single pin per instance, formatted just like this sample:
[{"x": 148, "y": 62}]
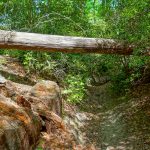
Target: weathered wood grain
[{"x": 67, "y": 44}]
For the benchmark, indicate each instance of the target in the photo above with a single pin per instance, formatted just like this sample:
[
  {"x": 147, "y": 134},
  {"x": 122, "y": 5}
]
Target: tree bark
[{"x": 67, "y": 44}]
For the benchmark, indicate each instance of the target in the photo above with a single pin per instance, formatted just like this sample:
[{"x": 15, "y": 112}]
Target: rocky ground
[{"x": 113, "y": 123}]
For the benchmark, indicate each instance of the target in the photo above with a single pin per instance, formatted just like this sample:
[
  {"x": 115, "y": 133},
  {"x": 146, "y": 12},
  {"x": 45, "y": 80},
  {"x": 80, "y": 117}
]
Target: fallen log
[{"x": 67, "y": 44}]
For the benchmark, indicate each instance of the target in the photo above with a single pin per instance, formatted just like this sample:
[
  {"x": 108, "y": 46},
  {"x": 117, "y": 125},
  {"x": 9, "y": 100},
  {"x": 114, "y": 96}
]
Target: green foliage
[
  {"x": 126, "y": 72},
  {"x": 120, "y": 19},
  {"x": 40, "y": 63},
  {"x": 130, "y": 21},
  {"x": 75, "y": 88},
  {"x": 17, "y": 53}
]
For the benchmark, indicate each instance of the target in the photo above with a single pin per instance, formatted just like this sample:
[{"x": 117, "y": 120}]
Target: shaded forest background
[{"x": 117, "y": 19}]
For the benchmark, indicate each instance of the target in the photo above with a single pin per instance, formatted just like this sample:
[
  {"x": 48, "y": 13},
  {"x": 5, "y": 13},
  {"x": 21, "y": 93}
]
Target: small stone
[
  {"x": 110, "y": 148},
  {"x": 120, "y": 148},
  {"x": 2, "y": 80}
]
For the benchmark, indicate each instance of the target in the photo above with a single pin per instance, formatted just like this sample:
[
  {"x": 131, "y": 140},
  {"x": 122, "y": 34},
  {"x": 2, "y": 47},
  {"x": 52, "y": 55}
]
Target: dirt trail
[{"x": 114, "y": 124}]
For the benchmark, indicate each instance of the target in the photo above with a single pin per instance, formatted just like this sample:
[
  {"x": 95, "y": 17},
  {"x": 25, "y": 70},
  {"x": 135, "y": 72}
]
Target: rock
[
  {"x": 47, "y": 94},
  {"x": 12, "y": 69},
  {"x": 110, "y": 148},
  {"x": 19, "y": 127},
  {"x": 120, "y": 148},
  {"x": 12, "y": 89},
  {"x": 2, "y": 80},
  {"x": 11, "y": 65},
  {"x": 24, "y": 110}
]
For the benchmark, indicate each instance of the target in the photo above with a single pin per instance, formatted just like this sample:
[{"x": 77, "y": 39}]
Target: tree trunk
[{"x": 54, "y": 43}]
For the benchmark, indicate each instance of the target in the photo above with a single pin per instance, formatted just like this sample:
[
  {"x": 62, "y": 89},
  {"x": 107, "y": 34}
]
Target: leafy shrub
[
  {"x": 75, "y": 88},
  {"x": 40, "y": 63},
  {"x": 125, "y": 74}
]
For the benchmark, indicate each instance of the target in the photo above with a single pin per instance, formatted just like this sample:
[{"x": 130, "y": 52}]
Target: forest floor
[{"x": 111, "y": 123}]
